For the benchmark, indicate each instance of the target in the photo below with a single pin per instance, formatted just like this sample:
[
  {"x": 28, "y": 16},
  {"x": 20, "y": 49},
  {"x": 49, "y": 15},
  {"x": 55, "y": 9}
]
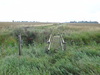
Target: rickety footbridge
[{"x": 56, "y": 42}]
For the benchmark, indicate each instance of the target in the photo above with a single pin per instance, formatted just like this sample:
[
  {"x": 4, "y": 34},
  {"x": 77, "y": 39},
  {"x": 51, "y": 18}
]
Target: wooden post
[
  {"x": 20, "y": 44},
  {"x": 49, "y": 42},
  {"x": 63, "y": 44}
]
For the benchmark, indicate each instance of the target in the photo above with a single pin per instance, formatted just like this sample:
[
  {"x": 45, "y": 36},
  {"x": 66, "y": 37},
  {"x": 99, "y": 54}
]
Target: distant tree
[{"x": 73, "y": 22}]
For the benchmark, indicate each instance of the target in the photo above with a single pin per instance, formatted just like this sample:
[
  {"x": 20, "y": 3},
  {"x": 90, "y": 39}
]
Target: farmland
[{"x": 81, "y": 57}]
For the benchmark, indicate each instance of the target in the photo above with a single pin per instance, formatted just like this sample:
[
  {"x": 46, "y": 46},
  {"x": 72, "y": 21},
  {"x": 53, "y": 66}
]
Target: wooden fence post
[{"x": 20, "y": 44}]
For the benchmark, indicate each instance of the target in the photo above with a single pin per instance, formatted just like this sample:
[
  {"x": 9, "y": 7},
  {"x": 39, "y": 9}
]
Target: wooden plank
[{"x": 55, "y": 43}]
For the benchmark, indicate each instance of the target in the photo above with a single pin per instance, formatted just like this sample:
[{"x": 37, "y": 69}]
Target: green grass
[
  {"x": 75, "y": 60},
  {"x": 82, "y": 56}
]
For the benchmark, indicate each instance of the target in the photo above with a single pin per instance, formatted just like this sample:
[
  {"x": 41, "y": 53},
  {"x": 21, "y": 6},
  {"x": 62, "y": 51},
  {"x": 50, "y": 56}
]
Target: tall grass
[
  {"x": 82, "y": 56},
  {"x": 75, "y": 60},
  {"x": 83, "y": 37}
]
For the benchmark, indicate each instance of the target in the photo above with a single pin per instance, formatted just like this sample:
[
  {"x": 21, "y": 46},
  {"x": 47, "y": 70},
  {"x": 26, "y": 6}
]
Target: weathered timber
[
  {"x": 56, "y": 43},
  {"x": 63, "y": 43},
  {"x": 20, "y": 44},
  {"x": 49, "y": 42}
]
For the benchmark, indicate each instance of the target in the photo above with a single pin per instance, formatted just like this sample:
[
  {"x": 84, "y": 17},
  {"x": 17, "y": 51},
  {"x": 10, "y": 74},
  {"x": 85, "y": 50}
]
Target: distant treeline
[
  {"x": 24, "y": 21},
  {"x": 65, "y": 22},
  {"x": 83, "y": 22}
]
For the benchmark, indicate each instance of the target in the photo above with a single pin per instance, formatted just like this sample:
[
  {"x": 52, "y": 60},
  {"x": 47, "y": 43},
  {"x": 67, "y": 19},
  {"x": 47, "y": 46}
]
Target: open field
[
  {"x": 81, "y": 57},
  {"x": 7, "y": 24}
]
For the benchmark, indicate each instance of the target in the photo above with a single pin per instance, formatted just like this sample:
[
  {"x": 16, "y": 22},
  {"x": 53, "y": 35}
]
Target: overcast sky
[{"x": 50, "y": 10}]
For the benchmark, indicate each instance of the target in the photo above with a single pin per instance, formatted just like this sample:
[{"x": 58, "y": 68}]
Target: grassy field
[{"x": 81, "y": 57}]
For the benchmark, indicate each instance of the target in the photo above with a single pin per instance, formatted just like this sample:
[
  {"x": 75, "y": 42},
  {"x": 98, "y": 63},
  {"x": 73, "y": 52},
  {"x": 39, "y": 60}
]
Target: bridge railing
[{"x": 62, "y": 43}]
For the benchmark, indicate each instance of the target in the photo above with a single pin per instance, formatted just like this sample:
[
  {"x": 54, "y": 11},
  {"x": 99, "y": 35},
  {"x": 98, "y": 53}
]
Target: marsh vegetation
[{"x": 81, "y": 57}]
